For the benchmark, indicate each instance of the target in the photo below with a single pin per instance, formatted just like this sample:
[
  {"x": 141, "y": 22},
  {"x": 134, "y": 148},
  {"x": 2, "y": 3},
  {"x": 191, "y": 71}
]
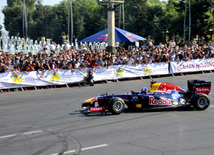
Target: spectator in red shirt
[
  {"x": 29, "y": 66},
  {"x": 53, "y": 65},
  {"x": 89, "y": 60}
]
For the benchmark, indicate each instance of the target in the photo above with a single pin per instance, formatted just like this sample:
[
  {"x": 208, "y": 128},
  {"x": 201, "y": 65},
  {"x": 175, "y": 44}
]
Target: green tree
[
  {"x": 200, "y": 19},
  {"x": 13, "y": 13},
  {"x": 171, "y": 16},
  {"x": 136, "y": 16},
  {"x": 80, "y": 28},
  {"x": 42, "y": 17},
  {"x": 89, "y": 18},
  {"x": 49, "y": 15},
  {"x": 175, "y": 18},
  {"x": 0, "y": 29},
  {"x": 156, "y": 23},
  {"x": 29, "y": 4},
  {"x": 148, "y": 18},
  {"x": 58, "y": 21},
  {"x": 11, "y": 3},
  {"x": 211, "y": 13},
  {"x": 13, "y": 19},
  {"x": 56, "y": 29}
]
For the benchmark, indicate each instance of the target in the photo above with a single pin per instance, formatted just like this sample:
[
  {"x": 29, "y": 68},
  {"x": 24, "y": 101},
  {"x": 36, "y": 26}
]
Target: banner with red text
[{"x": 191, "y": 66}]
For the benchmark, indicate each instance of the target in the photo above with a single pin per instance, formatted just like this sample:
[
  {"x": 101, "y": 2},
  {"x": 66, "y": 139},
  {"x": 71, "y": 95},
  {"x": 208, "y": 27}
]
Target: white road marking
[
  {"x": 32, "y": 132},
  {"x": 26, "y": 133},
  {"x": 84, "y": 149},
  {"x": 211, "y": 106},
  {"x": 94, "y": 147},
  {"x": 8, "y": 136}
]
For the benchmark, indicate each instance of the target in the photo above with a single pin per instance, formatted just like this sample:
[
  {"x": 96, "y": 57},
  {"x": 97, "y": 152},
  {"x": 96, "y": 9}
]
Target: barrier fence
[{"x": 64, "y": 77}]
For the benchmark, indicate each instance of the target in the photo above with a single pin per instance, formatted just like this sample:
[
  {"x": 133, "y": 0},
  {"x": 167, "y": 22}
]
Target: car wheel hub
[
  {"x": 118, "y": 106},
  {"x": 202, "y": 101}
]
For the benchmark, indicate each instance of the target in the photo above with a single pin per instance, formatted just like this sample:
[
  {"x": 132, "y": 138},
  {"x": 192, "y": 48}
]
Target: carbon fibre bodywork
[{"x": 161, "y": 95}]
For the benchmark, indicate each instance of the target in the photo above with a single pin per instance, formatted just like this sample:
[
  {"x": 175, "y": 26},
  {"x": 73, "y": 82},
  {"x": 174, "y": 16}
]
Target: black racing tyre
[
  {"x": 116, "y": 105},
  {"x": 200, "y": 101}
]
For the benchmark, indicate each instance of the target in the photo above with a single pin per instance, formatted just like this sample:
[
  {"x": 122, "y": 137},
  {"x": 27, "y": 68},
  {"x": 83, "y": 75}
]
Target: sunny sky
[{"x": 4, "y": 3}]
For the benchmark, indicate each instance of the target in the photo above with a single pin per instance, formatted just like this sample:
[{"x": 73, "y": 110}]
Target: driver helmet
[{"x": 144, "y": 90}]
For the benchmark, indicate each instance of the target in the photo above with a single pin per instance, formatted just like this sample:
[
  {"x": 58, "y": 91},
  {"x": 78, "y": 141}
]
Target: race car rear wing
[{"x": 199, "y": 86}]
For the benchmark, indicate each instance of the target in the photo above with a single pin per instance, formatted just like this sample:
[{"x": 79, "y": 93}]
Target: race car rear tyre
[
  {"x": 200, "y": 101},
  {"x": 116, "y": 105}
]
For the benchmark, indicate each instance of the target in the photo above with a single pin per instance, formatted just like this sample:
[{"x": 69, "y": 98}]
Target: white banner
[
  {"x": 191, "y": 66},
  {"x": 10, "y": 80},
  {"x": 61, "y": 77},
  {"x": 125, "y": 71},
  {"x": 104, "y": 73}
]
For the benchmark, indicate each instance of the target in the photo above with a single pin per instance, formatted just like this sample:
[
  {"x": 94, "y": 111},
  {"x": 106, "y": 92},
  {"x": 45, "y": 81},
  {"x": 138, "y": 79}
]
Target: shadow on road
[{"x": 129, "y": 111}]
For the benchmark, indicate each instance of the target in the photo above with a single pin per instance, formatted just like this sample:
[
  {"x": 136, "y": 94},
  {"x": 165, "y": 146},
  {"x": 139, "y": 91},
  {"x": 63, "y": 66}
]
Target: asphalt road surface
[{"x": 49, "y": 122}]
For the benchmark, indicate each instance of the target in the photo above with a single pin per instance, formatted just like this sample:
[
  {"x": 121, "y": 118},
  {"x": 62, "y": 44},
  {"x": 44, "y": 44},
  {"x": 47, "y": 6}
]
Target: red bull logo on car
[
  {"x": 159, "y": 102},
  {"x": 105, "y": 36},
  {"x": 130, "y": 36}
]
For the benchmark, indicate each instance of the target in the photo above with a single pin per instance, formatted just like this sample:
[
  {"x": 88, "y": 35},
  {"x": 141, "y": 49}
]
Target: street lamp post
[
  {"x": 123, "y": 16},
  {"x": 70, "y": 21},
  {"x": 185, "y": 22},
  {"x": 111, "y": 5},
  {"x": 25, "y": 33},
  {"x": 189, "y": 21}
]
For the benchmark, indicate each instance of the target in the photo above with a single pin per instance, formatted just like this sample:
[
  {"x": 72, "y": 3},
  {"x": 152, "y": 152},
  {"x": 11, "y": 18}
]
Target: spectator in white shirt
[
  {"x": 129, "y": 60},
  {"x": 137, "y": 44},
  {"x": 53, "y": 46},
  {"x": 67, "y": 46},
  {"x": 172, "y": 43}
]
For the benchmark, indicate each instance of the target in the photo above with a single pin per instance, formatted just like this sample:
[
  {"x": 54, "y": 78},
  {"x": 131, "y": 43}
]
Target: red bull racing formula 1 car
[{"x": 161, "y": 95}]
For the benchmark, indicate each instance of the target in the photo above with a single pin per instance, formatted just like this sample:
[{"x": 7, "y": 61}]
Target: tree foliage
[
  {"x": 0, "y": 29},
  {"x": 148, "y": 18}
]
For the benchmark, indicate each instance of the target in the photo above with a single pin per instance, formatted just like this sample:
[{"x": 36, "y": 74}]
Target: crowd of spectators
[{"x": 72, "y": 59}]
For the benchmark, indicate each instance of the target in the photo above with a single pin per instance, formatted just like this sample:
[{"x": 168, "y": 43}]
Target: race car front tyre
[
  {"x": 200, "y": 101},
  {"x": 116, "y": 105}
]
